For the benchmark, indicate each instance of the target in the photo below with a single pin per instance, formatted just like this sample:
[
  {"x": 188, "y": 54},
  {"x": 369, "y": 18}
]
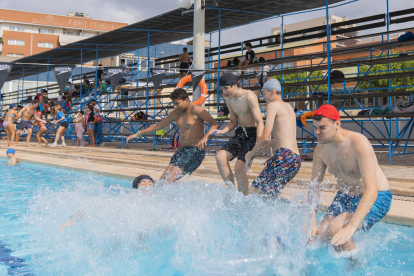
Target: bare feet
[
  {"x": 39, "y": 145},
  {"x": 47, "y": 143},
  {"x": 27, "y": 145}
]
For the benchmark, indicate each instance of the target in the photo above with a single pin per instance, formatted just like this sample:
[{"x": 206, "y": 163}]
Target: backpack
[
  {"x": 406, "y": 37},
  {"x": 403, "y": 106},
  {"x": 233, "y": 62},
  {"x": 262, "y": 59}
]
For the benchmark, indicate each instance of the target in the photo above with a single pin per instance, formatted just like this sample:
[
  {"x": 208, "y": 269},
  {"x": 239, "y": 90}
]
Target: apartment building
[{"x": 24, "y": 33}]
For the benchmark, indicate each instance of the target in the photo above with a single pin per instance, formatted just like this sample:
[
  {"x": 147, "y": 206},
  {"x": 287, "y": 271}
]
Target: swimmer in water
[
  {"x": 364, "y": 196},
  {"x": 279, "y": 132},
  {"x": 142, "y": 181},
  {"x": 190, "y": 119},
  {"x": 11, "y": 154}
]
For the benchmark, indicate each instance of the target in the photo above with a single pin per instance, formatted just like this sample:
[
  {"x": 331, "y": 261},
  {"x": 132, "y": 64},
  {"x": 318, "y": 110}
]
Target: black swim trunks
[
  {"x": 188, "y": 159},
  {"x": 24, "y": 124},
  {"x": 242, "y": 142},
  {"x": 183, "y": 66}
]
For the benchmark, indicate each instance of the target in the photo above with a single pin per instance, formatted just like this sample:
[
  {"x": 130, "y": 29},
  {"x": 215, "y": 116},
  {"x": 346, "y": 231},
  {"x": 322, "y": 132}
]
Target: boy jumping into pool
[
  {"x": 363, "y": 198},
  {"x": 11, "y": 154},
  {"x": 246, "y": 115},
  {"x": 190, "y": 119},
  {"x": 281, "y": 125}
]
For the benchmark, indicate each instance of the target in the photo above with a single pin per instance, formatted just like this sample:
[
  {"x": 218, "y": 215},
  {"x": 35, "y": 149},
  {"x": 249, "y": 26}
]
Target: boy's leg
[
  {"x": 223, "y": 158},
  {"x": 172, "y": 174},
  {"x": 241, "y": 176},
  {"x": 29, "y": 135}
]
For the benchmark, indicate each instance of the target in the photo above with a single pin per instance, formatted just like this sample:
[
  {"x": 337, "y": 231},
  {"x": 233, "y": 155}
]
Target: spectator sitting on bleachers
[
  {"x": 70, "y": 88},
  {"x": 139, "y": 116},
  {"x": 85, "y": 84},
  {"x": 59, "y": 99},
  {"x": 101, "y": 74},
  {"x": 28, "y": 100},
  {"x": 101, "y": 86},
  {"x": 250, "y": 55},
  {"x": 124, "y": 66}
]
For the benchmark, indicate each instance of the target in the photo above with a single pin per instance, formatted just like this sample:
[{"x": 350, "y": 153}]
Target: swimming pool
[{"x": 193, "y": 228}]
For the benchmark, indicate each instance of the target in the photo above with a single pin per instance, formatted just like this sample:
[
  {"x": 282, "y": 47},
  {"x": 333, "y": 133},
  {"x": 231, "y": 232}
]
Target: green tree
[
  {"x": 381, "y": 69},
  {"x": 287, "y": 78}
]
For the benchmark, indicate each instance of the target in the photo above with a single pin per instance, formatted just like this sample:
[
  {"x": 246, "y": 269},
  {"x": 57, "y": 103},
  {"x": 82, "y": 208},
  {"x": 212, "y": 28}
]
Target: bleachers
[{"x": 382, "y": 52}]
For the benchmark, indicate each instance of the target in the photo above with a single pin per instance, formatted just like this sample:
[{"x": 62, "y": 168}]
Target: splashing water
[{"x": 190, "y": 228}]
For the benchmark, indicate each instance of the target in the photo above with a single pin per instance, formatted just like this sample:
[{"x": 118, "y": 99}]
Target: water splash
[{"x": 190, "y": 228}]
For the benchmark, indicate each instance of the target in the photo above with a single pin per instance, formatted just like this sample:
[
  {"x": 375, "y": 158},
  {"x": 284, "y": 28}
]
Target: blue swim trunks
[
  {"x": 345, "y": 203},
  {"x": 41, "y": 107},
  {"x": 188, "y": 159}
]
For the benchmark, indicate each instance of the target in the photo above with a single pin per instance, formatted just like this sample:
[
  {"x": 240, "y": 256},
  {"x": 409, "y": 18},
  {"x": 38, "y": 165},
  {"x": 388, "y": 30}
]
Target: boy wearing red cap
[{"x": 363, "y": 198}]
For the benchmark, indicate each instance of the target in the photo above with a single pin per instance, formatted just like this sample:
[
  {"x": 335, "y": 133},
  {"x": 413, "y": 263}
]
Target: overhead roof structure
[{"x": 167, "y": 27}]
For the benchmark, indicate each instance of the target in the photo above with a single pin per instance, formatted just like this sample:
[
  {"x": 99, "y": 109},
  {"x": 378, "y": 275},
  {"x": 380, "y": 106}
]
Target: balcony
[{"x": 67, "y": 39}]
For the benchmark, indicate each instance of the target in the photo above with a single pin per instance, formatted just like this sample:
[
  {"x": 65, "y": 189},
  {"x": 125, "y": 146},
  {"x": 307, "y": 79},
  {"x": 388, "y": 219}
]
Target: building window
[
  {"x": 45, "y": 45},
  {"x": 16, "y": 28},
  {"x": 88, "y": 34},
  {"x": 66, "y": 32},
  {"x": 15, "y": 55},
  {"x": 16, "y": 42},
  {"x": 46, "y": 31}
]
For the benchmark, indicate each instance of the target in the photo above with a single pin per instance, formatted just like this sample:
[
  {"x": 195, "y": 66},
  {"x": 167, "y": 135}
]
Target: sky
[{"x": 131, "y": 11}]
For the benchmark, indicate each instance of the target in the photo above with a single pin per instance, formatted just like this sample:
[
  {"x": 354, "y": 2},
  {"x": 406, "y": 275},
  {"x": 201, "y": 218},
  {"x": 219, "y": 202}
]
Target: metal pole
[
  {"x": 81, "y": 74},
  {"x": 22, "y": 88},
  {"x": 198, "y": 45},
  {"x": 389, "y": 84},
  {"x": 218, "y": 60},
  {"x": 148, "y": 65},
  {"x": 282, "y": 45},
  {"x": 96, "y": 72},
  {"x": 328, "y": 51},
  {"x": 47, "y": 83}
]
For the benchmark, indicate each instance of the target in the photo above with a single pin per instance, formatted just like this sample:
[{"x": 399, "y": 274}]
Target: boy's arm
[
  {"x": 264, "y": 139},
  {"x": 367, "y": 166},
  {"x": 257, "y": 114},
  {"x": 314, "y": 194},
  {"x": 206, "y": 117},
  {"x": 231, "y": 125},
  {"x": 153, "y": 128}
]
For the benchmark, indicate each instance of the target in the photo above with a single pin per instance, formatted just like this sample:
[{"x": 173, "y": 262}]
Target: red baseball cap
[{"x": 328, "y": 111}]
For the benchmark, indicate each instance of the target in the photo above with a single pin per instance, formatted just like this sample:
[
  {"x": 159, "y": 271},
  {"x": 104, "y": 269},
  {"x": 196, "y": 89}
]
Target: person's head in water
[
  {"x": 10, "y": 153},
  {"x": 228, "y": 85},
  {"x": 144, "y": 181},
  {"x": 180, "y": 99},
  {"x": 326, "y": 121},
  {"x": 185, "y": 50},
  {"x": 271, "y": 90}
]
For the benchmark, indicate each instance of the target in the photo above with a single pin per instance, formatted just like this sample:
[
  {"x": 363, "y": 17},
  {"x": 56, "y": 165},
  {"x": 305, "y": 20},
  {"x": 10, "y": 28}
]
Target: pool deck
[{"x": 129, "y": 163}]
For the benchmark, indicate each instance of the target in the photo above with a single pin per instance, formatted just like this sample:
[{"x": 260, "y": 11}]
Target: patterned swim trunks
[
  {"x": 280, "y": 169},
  {"x": 188, "y": 159}
]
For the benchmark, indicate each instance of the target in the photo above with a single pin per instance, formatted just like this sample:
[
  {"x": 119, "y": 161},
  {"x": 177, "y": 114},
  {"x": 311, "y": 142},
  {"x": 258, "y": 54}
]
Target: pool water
[{"x": 191, "y": 228}]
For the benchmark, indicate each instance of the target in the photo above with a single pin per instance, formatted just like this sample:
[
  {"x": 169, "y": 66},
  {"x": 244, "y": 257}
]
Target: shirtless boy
[
  {"x": 184, "y": 63},
  {"x": 281, "y": 125},
  {"x": 245, "y": 113},
  {"x": 363, "y": 198},
  {"x": 190, "y": 119},
  {"x": 26, "y": 114}
]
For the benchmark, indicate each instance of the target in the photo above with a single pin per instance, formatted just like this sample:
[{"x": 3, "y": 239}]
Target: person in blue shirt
[{"x": 60, "y": 118}]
